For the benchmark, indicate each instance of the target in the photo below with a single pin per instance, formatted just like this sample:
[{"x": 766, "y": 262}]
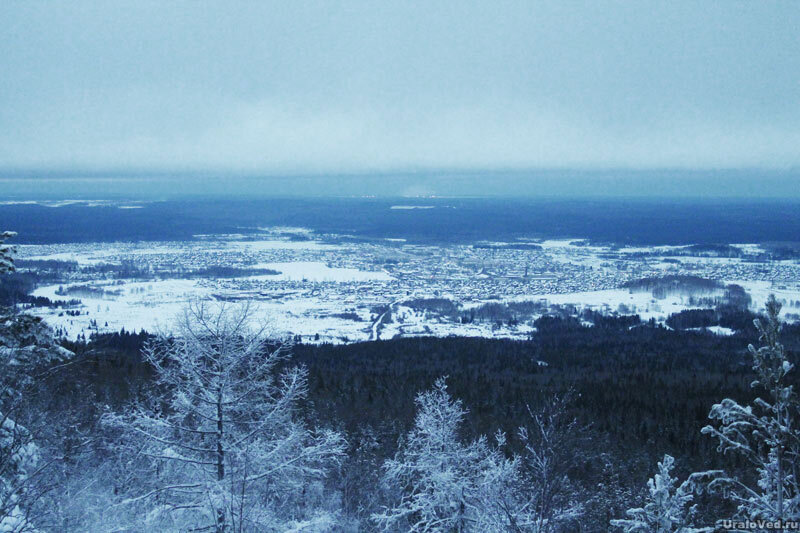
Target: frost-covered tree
[
  {"x": 20, "y": 466},
  {"x": 27, "y": 346},
  {"x": 227, "y": 449},
  {"x": 27, "y": 351},
  {"x": 6, "y": 252},
  {"x": 767, "y": 433},
  {"x": 443, "y": 484},
  {"x": 551, "y": 443},
  {"x": 669, "y": 507}
]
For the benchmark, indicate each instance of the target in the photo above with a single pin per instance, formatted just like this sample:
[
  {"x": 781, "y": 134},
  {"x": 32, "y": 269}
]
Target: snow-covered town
[{"x": 324, "y": 288}]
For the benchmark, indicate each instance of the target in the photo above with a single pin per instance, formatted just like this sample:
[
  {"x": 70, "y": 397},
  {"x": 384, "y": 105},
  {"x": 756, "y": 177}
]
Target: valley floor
[{"x": 327, "y": 289}]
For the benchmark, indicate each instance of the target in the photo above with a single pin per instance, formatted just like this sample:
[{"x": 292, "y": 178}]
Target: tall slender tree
[
  {"x": 443, "y": 484},
  {"x": 6, "y": 252},
  {"x": 669, "y": 507},
  {"x": 227, "y": 448},
  {"x": 766, "y": 434},
  {"x": 27, "y": 350},
  {"x": 552, "y": 441}
]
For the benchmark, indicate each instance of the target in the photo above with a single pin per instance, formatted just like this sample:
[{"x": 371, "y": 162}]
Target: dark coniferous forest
[{"x": 602, "y": 403}]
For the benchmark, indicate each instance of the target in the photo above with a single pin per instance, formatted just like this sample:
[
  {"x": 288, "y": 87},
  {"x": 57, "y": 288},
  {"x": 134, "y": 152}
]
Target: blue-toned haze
[{"x": 277, "y": 88}]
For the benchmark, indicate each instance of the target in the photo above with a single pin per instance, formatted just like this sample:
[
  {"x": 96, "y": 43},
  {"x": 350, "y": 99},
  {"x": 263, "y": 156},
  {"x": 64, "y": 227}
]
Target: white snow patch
[{"x": 716, "y": 330}]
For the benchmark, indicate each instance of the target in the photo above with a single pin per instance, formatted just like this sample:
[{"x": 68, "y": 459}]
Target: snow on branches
[
  {"x": 443, "y": 484},
  {"x": 766, "y": 433},
  {"x": 27, "y": 350},
  {"x": 6, "y": 252},
  {"x": 226, "y": 449},
  {"x": 669, "y": 506}
]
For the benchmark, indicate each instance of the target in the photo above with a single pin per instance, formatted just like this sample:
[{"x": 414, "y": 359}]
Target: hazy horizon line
[
  {"x": 62, "y": 172},
  {"x": 477, "y": 183}
]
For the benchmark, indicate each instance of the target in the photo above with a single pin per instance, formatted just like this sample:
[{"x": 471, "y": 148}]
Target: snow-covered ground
[
  {"x": 151, "y": 305},
  {"x": 358, "y": 291}
]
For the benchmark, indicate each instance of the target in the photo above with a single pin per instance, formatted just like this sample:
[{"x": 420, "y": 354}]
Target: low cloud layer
[{"x": 341, "y": 87}]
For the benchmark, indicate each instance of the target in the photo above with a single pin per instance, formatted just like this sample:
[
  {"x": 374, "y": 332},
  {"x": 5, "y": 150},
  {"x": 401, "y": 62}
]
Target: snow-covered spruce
[
  {"x": 227, "y": 449},
  {"x": 7, "y": 252},
  {"x": 669, "y": 506},
  {"x": 440, "y": 483},
  {"x": 27, "y": 351},
  {"x": 766, "y": 434},
  {"x": 27, "y": 348}
]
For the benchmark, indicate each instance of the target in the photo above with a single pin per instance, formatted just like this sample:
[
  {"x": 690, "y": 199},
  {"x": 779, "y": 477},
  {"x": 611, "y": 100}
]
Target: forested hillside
[
  {"x": 628, "y": 395},
  {"x": 217, "y": 426}
]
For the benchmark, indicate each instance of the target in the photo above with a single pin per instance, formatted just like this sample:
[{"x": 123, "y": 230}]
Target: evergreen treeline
[
  {"x": 216, "y": 426},
  {"x": 637, "y": 393}
]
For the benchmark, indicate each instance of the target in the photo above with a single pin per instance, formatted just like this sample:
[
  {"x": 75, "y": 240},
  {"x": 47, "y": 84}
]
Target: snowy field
[{"x": 328, "y": 290}]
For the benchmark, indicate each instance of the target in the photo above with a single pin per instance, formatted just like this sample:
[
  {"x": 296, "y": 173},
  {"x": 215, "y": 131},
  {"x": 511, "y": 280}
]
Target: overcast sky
[{"x": 350, "y": 86}]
